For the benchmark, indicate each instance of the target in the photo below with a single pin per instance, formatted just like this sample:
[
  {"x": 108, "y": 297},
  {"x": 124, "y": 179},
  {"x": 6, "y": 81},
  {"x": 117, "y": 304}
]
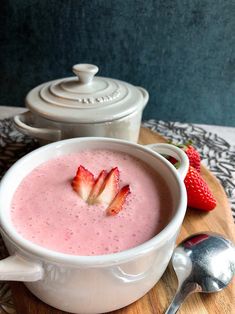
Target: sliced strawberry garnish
[
  {"x": 109, "y": 188},
  {"x": 118, "y": 202},
  {"x": 83, "y": 182},
  {"x": 97, "y": 187}
]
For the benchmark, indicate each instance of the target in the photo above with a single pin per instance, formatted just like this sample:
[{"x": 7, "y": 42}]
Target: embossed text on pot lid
[{"x": 85, "y": 98}]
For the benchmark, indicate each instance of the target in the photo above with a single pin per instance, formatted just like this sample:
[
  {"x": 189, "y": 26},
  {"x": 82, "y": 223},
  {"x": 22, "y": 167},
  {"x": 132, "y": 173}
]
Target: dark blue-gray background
[{"x": 181, "y": 51}]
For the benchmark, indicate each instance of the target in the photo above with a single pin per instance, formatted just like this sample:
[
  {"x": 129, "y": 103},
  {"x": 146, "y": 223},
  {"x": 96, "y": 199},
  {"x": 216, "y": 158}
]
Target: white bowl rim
[{"x": 94, "y": 260}]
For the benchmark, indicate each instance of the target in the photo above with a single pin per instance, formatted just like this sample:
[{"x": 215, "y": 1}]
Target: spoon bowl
[{"x": 203, "y": 262}]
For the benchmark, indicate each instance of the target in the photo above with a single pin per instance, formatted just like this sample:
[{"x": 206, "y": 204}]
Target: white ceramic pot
[
  {"x": 82, "y": 106},
  {"x": 92, "y": 284}
]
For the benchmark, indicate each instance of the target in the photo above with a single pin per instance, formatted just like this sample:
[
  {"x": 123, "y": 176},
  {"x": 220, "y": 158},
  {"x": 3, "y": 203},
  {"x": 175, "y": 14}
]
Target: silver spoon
[{"x": 203, "y": 262}]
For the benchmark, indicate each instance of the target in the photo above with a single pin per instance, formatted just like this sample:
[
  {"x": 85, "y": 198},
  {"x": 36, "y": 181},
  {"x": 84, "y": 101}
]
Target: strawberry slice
[
  {"x": 97, "y": 187},
  {"x": 117, "y": 204},
  {"x": 109, "y": 188},
  {"x": 83, "y": 182}
]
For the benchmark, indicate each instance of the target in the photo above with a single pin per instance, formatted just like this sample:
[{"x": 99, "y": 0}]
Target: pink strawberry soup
[{"x": 49, "y": 212}]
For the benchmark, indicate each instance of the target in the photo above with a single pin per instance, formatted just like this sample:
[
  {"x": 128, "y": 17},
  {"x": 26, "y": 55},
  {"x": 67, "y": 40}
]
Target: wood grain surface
[{"x": 157, "y": 300}]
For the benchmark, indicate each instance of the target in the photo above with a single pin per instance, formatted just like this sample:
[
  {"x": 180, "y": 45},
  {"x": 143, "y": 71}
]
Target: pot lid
[{"x": 85, "y": 98}]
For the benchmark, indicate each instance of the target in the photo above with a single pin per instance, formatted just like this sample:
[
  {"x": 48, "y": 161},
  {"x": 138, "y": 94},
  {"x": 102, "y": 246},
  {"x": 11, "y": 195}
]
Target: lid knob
[{"x": 85, "y": 72}]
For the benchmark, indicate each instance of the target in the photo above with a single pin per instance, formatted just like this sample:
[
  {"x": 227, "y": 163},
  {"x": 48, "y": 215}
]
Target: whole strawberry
[
  {"x": 193, "y": 156},
  {"x": 198, "y": 192}
]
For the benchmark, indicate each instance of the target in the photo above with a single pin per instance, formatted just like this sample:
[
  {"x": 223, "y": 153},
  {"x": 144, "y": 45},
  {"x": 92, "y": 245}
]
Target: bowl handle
[
  {"x": 173, "y": 151},
  {"x": 21, "y": 120},
  {"x": 18, "y": 268}
]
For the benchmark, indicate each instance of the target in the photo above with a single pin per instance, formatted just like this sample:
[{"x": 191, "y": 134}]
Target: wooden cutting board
[{"x": 157, "y": 300}]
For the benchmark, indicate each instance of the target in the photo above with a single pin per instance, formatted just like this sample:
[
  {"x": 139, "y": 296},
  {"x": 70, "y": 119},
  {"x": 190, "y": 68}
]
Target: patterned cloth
[{"x": 216, "y": 153}]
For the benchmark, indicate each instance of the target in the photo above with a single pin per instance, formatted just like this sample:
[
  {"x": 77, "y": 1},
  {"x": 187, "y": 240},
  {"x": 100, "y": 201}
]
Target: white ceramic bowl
[{"x": 91, "y": 284}]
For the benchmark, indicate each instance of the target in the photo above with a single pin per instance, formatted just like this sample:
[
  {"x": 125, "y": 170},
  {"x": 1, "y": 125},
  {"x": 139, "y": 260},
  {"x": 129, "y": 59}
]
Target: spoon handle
[{"x": 184, "y": 290}]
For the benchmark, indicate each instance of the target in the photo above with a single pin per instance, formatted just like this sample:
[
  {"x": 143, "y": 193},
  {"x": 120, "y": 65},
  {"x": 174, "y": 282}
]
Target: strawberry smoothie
[{"x": 47, "y": 210}]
